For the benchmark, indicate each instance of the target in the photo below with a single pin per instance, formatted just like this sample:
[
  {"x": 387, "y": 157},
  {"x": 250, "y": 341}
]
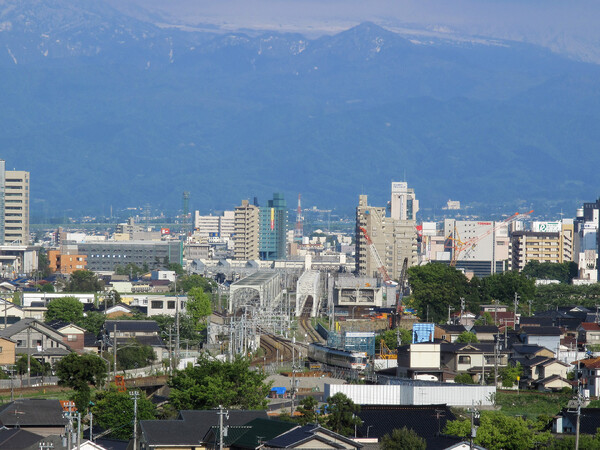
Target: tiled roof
[
  {"x": 301, "y": 435},
  {"x": 541, "y": 331},
  {"x": 591, "y": 363},
  {"x": 32, "y": 412},
  {"x": 17, "y": 438},
  {"x": 262, "y": 430},
  {"x": 191, "y": 427},
  {"x": 425, "y": 420},
  {"x": 590, "y": 326},
  {"x": 132, "y": 325}
]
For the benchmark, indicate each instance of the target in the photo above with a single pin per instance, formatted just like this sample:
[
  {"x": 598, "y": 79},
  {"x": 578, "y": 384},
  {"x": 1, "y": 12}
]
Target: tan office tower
[
  {"x": 246, "y": 231},
  {"x": 16, "y": 207},
  {"x": 393, "y": 239}
]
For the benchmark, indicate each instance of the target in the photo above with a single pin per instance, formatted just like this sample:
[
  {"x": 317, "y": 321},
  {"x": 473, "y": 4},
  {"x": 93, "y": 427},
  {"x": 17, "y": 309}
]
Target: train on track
[{"x": 337, "y": 358}]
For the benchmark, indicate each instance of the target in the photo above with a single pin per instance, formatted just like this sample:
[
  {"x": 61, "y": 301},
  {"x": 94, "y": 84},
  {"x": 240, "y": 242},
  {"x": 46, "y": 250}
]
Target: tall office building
[
  {"x": 246, "y": 231},
  {"x": 394, "y": 237},
  {"x": 14, "y": 205},
  {"x": 273, "y": 228},
  {"x": 404, "y": 204}
]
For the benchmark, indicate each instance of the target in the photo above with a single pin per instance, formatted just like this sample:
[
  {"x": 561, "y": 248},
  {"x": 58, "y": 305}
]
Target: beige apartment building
[
  {"x": 16, "y": 207},
  {"x": 246, "y": 232},
  {"x": 395, "y": 238},
  {"x": 555, "y": 247}
]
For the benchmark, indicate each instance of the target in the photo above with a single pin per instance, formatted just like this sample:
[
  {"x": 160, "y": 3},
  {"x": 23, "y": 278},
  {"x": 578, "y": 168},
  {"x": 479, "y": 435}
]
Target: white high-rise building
[
  {"x": 14, "y": 205},
  {"x": 404, "y": 204}
]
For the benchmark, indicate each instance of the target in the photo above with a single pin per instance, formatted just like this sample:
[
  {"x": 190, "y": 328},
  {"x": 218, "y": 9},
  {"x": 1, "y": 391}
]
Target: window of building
[
  {"x": 20, "y": 343},
  {"x": 463, "y": 359},
  {"x": 72, "y": 337},
  {"x": 156, "y": 304},
  {"x": 171, "y": 304}
]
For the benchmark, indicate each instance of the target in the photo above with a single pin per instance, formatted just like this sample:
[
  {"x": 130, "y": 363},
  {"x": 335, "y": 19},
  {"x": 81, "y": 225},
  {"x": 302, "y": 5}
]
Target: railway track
[
  {"x": 276, "y": 349},
  {"x": 309, "y": 331}
]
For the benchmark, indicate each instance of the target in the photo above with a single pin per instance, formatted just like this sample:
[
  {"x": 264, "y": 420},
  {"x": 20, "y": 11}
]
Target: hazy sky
[{"x": 569, "y": 26}]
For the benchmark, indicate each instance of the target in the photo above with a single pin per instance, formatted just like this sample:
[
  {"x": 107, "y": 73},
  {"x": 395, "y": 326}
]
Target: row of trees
[{"x": 436, "y": 286}]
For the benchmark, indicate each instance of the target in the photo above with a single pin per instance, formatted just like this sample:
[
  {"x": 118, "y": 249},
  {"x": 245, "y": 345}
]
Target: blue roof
[{"x": 279, "y": 390}]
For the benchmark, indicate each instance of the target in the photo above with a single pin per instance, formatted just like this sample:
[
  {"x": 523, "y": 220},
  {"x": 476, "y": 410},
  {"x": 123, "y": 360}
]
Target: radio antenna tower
[
  {"x": 299, "y": 231},
  {"x": 186, "y": 211}
]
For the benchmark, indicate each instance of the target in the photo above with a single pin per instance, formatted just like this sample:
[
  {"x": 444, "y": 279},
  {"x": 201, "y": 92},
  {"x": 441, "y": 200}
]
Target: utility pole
[
  {"x": 115, "y": 351},
  {"x": 222, "y": 430},
  {"x": 29, "y": 350},
  {"x": 450, "y": 308},
  {"x": 474, "y": 414},
  {"x": 135, "y": 395},
  {"x": 462, "y": 310},
  {"x": 515, "y": 312}
]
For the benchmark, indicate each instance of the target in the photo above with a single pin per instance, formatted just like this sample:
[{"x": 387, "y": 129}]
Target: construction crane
[
  {"x": 380, "y": 266},
  {"x": 459, "y": 246},
  {"x": 401, "y": 286}
]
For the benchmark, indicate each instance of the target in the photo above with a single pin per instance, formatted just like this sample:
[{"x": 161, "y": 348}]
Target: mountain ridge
[{"x": 229, "y": 116}]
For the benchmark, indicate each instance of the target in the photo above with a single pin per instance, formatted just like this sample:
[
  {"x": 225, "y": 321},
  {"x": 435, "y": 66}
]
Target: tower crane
[{"x": 459, "y": 246}]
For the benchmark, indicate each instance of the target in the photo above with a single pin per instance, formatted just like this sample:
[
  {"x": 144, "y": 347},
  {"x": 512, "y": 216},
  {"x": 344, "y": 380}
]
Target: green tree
[
  {"x": 36, "y": 367},
  {"x": 187, "y": 327},
  {"x": 45, "y": 287},
  {"x": 563, "y": 272},
  {"x": 485, "y": 319},
  {"x": 390, "y": 337},
  {"x": 341, "y": 414},
  {"x": 198, "y": 307},
  {"x": 498, "y": 431},
  {"x": 188, "y": 282},
  {"x": 509, "y": 374},
  {"x": 463, "y": 378},
  {"x": 78, "y": 372},
  {"x": 92, "y": 321},
  {"x": 502, "y": 287},
  {"x": 44, "y": 263},
  {"x": 467, "y": 337},
  {"x": 176, "y": 267},
  {"x": 308, "y": 408},
  {"x": 65, "y": 309},
  {"x": 134, "y": 356},
  {"x": 114, "y": 410},
  {"x": 84, "y": 281},
  {"x": 435, "y": 286},
  {"x": 212, "y": 383},
  {"x": 403, "y": 439}
]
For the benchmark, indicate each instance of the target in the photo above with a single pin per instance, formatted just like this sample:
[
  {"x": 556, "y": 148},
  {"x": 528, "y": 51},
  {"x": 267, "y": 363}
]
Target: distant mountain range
[{"x": 104, "y": 109}]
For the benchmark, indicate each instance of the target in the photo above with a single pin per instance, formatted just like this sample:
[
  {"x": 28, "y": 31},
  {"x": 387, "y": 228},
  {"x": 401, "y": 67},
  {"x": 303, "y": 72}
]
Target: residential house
[
  {"x": 144, "y": 332},
  {"x": 474, "y": 358},
  {"x": 465, "y": 318},
  {"x": 74, "y": 336},
  {"x": 39, "y": 416},
  {"x": 544, "y": 373},
  {"x": 37, "y": 339},
  {"x": 9, "y": 313},
  {"x": 548, "y": 337},
  {"x": 7, "y": 351},
  {"x": 485, "y": 333},
  {"x": 35, "y": 310},
  {"x": 190, "y": 429},
  {"x": 589, "y": 333},
  {"x": 421, "y": 361},
  {"x": 566, "y": 420},
  {"x": 448, "y": 333},
  {"x": 590, "y": 374},
  {"x": 312, "y": 436},
  {"x": 520, "y": 351}
]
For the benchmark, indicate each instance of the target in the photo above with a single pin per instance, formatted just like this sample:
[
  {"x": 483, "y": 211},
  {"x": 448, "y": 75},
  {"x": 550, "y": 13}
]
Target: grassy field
[{"x": 531, "y": 404}]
